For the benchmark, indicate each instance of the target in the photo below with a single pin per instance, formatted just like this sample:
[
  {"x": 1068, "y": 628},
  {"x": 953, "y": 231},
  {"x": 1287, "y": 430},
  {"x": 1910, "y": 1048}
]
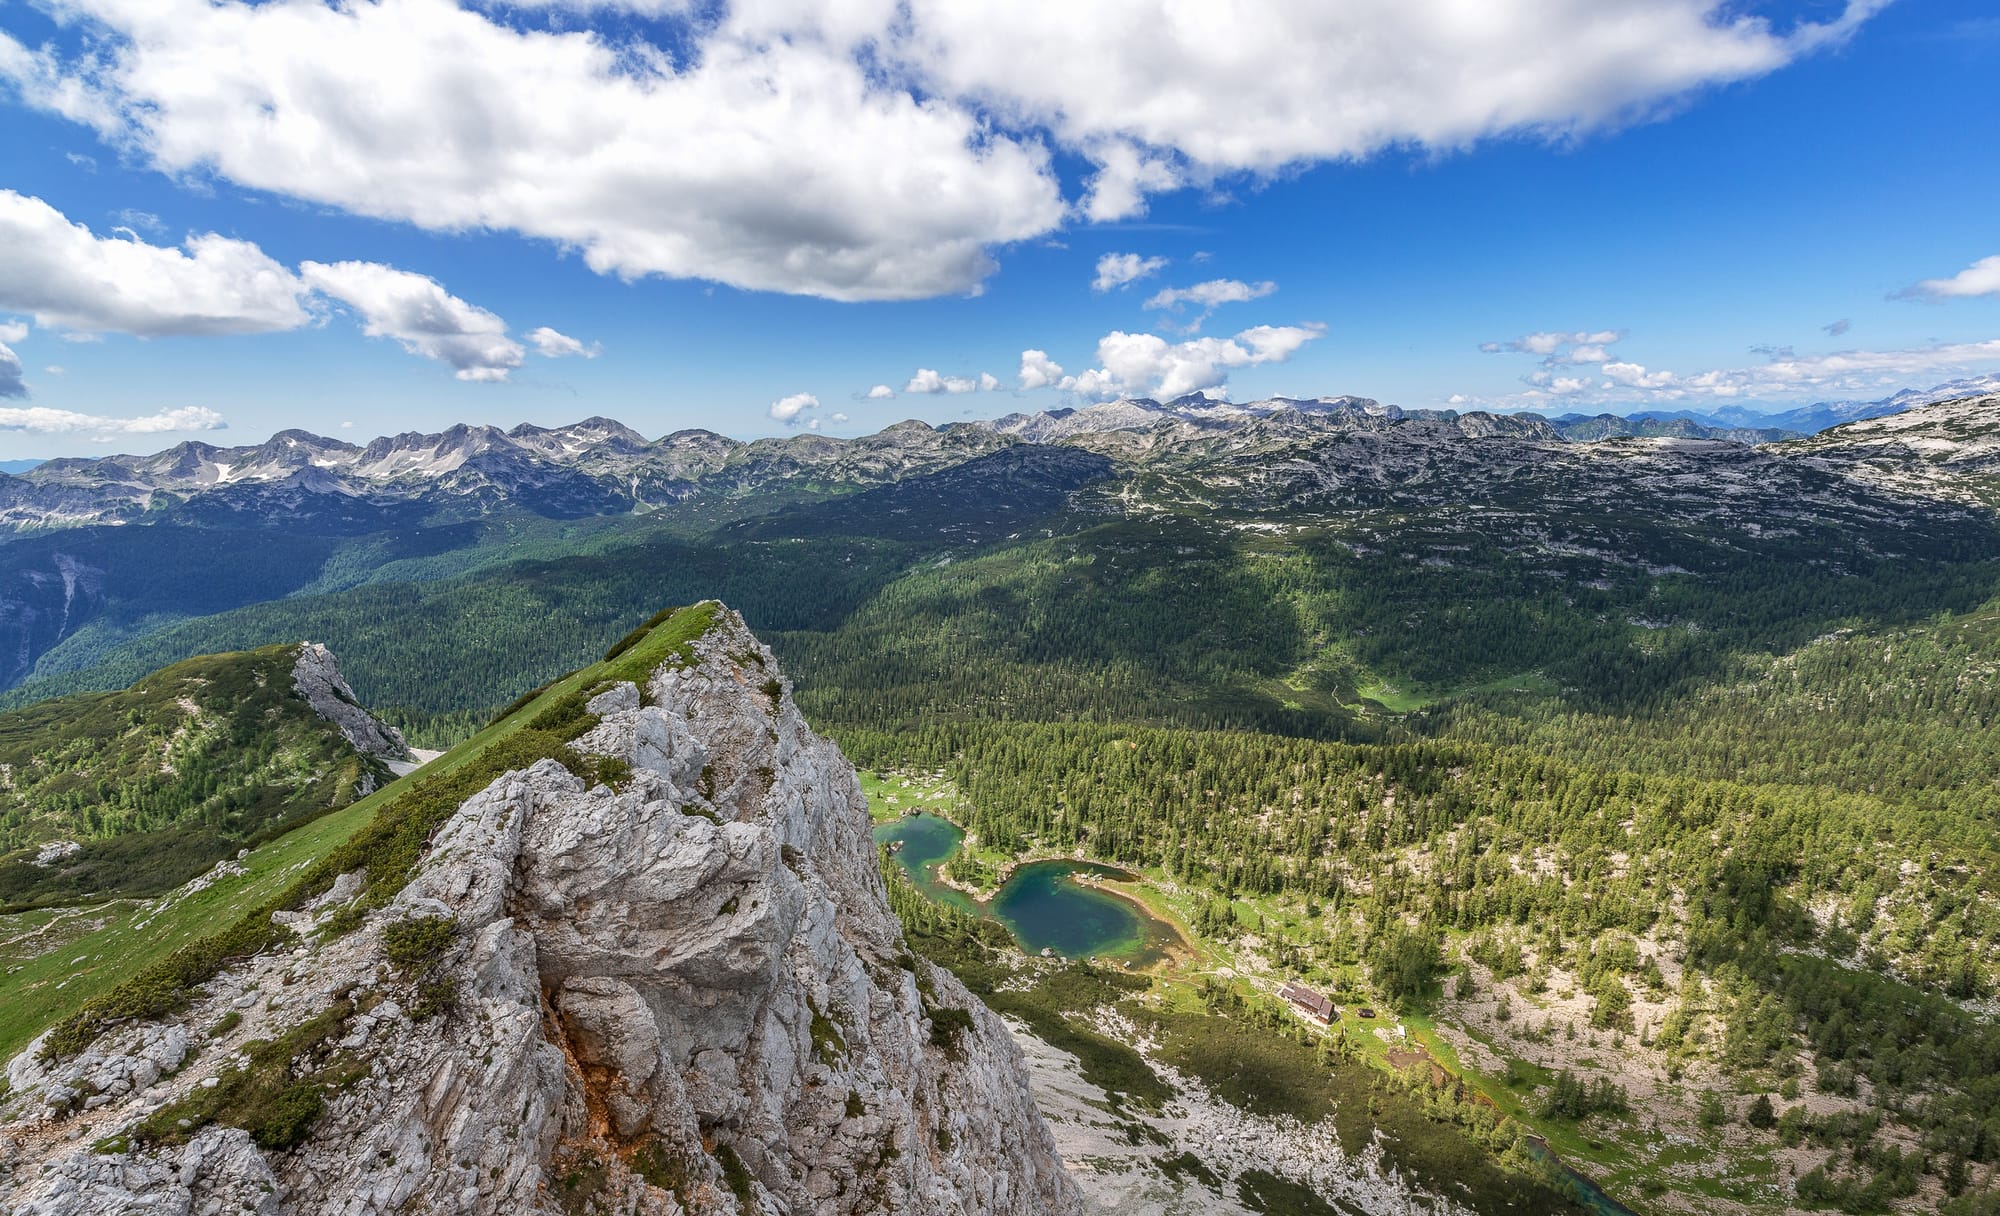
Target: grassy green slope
[
  {"x": 144, "y": 956},
  {"x": 160, "y": 780},
  {"x": 40, "y": 987}
]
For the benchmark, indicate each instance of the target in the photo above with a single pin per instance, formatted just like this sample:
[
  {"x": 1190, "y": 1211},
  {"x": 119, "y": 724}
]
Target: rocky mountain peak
[
  {"x": 669, "y": 985},
  {"x": 317, "y": 678}
]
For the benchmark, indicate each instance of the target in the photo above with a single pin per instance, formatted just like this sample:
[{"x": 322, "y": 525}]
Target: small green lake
[{"x": 1043, "y": 903}]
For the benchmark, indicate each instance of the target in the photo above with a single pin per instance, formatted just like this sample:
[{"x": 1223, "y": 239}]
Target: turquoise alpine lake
[{"x": 1047, "y": 905}]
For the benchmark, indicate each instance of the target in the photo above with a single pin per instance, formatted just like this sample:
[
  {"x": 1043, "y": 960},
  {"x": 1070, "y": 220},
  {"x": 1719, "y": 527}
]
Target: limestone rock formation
[
  {"x": 317, "y": 677},
  {"x": 677, "y": 991}
]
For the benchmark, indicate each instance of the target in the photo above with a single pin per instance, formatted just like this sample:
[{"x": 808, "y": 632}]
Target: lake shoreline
[
  {"x": 1125, "y": 928},
  {"x": 1182, "y": 951}
]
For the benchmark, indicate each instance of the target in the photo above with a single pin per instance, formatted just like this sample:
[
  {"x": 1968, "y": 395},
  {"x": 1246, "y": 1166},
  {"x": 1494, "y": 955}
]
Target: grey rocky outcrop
[
  {"x": 219, "y": 1172},
  {"x": 317, "y": 678},
  {"x": 680, "y": 992},
  {"x": 56, "y": 850}
]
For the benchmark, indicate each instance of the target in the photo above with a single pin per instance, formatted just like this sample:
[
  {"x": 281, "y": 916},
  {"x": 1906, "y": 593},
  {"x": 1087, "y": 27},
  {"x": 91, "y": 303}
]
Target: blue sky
[{"x": 719, "y": 215}]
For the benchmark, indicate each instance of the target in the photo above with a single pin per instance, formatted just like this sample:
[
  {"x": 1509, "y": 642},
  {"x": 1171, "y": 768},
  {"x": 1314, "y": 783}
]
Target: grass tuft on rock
[{"x": 277, "y": 1096}]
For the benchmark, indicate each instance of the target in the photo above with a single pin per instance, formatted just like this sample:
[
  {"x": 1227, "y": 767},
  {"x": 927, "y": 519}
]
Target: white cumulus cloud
[
  {"x": 1635, "y": 375},
  {"x": 551, "y": 344},
  {"x": 1118, "y": 269},
  {"x": 1982, "y": 278},
  {"x": 771, "y": 162},
  {"x": 928, "y": 380},
  {"x": 1148, "y": 365},
  {"x": 1161, "y": 94},
  {"x": 1209, "y": 296},
  {"x": 1124, "y": 177},
  {"x": 1786, "y": 375},
  {"x": 1847, "y": 370},
  {"x": 86, "y": 285},
  {"x": 66, "y": 277},
  {"x": 41, "y": 420},
  {"x": 1038, "y": 370},
  {"x": 13, "y": 331},
  {"x": 11, "y": 382},
  {"x": 788, "y": 409},
  {"x": 1558, "y": 344},
  {"x": 881, "y": 392},
  {"x": 421, "y": 315},
  {"x": 1211, "y": 293}
]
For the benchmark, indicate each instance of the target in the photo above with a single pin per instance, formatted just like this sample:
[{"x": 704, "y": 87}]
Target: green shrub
[
  {"x": 613, "y": 771},
  {"x": 434, "y": 997},
  {"x": 286, "y": 1119},
  {"x": 664, "y": 1169},
  {"x": 416, "y": 945},
  {"x": 948, "y": 1027}
]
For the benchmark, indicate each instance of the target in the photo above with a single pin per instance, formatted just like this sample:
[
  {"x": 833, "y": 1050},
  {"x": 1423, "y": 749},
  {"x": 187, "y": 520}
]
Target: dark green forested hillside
[{"x": 158, "y": 781}]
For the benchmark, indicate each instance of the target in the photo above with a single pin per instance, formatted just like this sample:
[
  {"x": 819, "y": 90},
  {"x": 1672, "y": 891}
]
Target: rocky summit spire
[
  {"x": 317, "y": 678},
  {"x": 672, "y": 986}
]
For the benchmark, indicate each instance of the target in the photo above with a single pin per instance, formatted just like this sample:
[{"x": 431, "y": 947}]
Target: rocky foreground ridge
[{"x": 673, "y": 987}]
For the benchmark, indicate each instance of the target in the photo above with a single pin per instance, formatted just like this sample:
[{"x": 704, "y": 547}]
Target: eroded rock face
[
  {"x": 217, "y": 1173},
  {"x": 317, "y": 678},
  {"x": 683, "y": 994}
]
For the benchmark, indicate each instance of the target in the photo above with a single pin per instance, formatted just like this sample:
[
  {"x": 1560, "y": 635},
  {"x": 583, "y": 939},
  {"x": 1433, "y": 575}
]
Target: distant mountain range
[
  {"x": 1802, "y": 420},
  {"x": 1588, "y": 428},
  {"x": 304, "y": 515},
  {"x": 600, "y": 467},
  {"x": 594, "y": 467}
]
